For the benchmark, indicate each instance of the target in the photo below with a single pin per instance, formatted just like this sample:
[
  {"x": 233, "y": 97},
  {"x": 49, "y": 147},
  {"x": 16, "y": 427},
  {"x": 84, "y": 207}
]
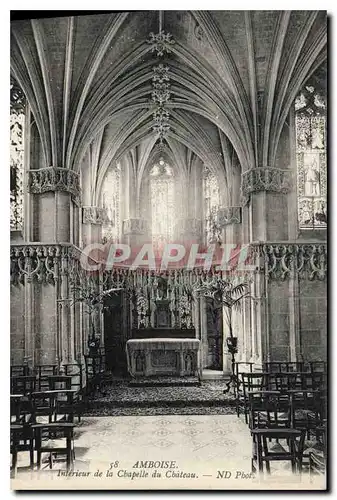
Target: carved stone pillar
[
  {"x": 55, "y": 190},
  {"x": 135, "y": 231},
  {"x": 188, "y": 230},
  {"x": 265, "y": 190},
  {"x": 229, "y": 220},
  {"x": 92, "y": 220},
  {"x": 203, "y": 333}
]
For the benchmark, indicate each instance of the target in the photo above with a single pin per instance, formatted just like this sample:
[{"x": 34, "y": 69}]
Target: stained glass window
[
  {"x": 17, "y": 125},
  {"x": 211, "y": 204},
  {"x": 162, "y": 203},
  {"x": 310, "y": 120},
  {"x": 111, "y": 204}
]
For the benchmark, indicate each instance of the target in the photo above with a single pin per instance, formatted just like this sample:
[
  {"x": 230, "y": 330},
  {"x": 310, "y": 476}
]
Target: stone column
[
  {"x": 203, "y": 334},
  {"x": 92, "y": 220},
  {"x": 265, "y": 189},
  {"x": 189, "y": 230},
  {"x": 55, "y": 189},
  {"x": 264, "y": 198},
  {"x": 229, "y": 219},
  {"x": 55, "y": 198},
  {"x": 135, "y": 231}
]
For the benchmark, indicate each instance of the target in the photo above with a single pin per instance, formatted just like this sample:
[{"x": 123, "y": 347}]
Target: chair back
[
  {"x": 252, "y": 382},
  {"x": 318, "y": 366},
  {"x": 282, "y": 366},
  {"x": 74, "y": 370},
  {"x": 269, "y": 409},
  {"x": 19, "y": 370},
  {"x": 313, "y": 381},
  {"x": 59, "y": 382},
  {"x": 43, "y": 373},
  {"x": 23, "y": 385}
]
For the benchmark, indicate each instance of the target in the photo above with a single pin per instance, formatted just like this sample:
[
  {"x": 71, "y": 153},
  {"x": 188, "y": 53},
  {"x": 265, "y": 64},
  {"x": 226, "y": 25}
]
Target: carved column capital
[
  {"x": 135, "y": 226},
  {"x": 272, "y": 179},
  {"x": 229, "y": 215},
  {"x": 93, "y": 215},
  {"x": 47, "y": 179}
]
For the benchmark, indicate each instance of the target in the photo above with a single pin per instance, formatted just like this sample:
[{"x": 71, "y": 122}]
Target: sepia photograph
[{"x": 168, "y": 250}]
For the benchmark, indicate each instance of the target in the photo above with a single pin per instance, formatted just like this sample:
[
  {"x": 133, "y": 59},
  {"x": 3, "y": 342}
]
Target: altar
[{"x": 162, "y": 356}]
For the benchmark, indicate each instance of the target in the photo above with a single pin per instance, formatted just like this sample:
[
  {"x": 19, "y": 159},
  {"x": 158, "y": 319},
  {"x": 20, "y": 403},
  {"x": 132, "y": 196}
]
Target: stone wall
[
  {"x": 17, "y": 324},
  {"x": 313, "y": 319}
]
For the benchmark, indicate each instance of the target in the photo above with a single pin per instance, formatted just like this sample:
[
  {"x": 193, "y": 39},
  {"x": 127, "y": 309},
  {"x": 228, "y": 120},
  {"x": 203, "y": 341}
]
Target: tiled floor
[{"x": 202, "y": 447}]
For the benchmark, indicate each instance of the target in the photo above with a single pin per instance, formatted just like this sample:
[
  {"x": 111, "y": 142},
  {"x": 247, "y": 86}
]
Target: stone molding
[
  {"x": 42, "y": 263},
  {"x": 280, "y": 261},
  {"x": 93, "y": 215},
  {"x": 135, "y": 226},
  {"x": 265, "y": 179},
  {"x": 48, "y": 263},
  {"x": 47, "y": 179}
]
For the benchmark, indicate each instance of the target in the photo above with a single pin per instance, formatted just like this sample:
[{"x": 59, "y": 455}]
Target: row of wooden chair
[
  {"x": 282, "y": 382},
  {"x": 285, "y": 407},
  {"x": 42, "y": 372},
  {"x": 40, "y": 417},
  {"x": 40, "y": 437},
  {"x": 29, "y": 388}
]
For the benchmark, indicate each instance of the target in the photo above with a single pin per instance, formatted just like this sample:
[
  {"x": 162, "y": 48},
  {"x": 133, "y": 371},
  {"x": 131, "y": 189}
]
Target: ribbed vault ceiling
[{"x": 233, "y": 77}]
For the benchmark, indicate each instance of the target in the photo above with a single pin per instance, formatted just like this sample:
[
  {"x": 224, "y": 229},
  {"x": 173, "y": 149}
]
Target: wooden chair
[
  {"x": 283, "y": 381},
  {"x": 43, "y": 372},
  {"x": 21, "y": 439},
  {"x": 94, "y": 371},
  {"x": 238, "y": 391},
  {"x": 74, "y": 370},
  {"x": 45, "y": 432},
  {"x": 317, "y": 457},
  {"x": 291, "y": 449},
  {"x": 318, "y": 366},
  {"x": 313, "y": 381},
  {"x": 23, "y": 385},
  {"x": 282, "y": 366},
  {"x": 59, "y": 382},
  {"x": 250, "y": 382},
  {"x": 43, "y": 405},
  {"x": 269, "y": 409},
  {"x": 19, "y": 370}
]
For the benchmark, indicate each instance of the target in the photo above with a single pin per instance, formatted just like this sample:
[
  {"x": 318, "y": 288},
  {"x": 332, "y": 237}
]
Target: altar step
[{"x": 165, "y": 381}]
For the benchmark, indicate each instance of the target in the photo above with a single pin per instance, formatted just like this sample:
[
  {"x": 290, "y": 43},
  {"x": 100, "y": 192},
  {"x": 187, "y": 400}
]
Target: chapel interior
[{"x": 203, "y": 129}]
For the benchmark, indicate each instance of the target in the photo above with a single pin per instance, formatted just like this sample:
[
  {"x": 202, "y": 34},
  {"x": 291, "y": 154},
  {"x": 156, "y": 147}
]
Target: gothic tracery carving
[
  {"x": 264, "y": 179},
  {"x": 135, "y": 226},
  {"x": 47, "y": 179},
  {"x": 229, "y": 215},
  {"x": 93, "y": 215},
  {"x": 309, "y": 261}
]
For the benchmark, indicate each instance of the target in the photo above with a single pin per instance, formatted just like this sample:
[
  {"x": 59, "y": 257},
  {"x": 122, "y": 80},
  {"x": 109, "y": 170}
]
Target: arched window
[
  {"x": 211, "y": 204},
  {"x": 310, "y": 121},
  {"x": 111, "y": 204},
  {"x": 17, "y": 130},
  {"x": 162, "y": 202}
]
